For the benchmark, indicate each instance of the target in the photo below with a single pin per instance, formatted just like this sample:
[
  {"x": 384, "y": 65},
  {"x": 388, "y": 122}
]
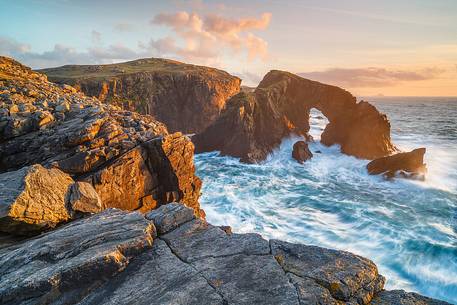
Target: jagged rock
[
  {"x": 401, "y": 297},
  {"x": 63, "y": 266},
  {"x": 301, "y": 152},
  {"x": 33, "y": 198},
  {"x": 107, "y": 258},
  {"x": 347, "y": 277},
  {"x": 253, "y": 124},
  {"x": 170, "y": 216},
  {"x": 84, "y": 198},
  {"x": 185, "y": 97},
  {"x": 130, "y": 159},
  {"x": 407, "y": 165}
]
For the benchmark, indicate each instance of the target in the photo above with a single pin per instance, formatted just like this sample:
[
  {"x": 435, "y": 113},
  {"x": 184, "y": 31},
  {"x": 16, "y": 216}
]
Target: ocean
[{"x": 408, "y": 228}]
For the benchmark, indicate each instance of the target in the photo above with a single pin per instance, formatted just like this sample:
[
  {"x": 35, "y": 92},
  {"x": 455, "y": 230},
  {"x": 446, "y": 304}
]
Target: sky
[{"x": 389, "y": 47}]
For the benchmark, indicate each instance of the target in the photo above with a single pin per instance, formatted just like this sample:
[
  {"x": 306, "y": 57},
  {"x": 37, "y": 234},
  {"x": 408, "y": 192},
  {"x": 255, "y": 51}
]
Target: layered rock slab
[
  {"x": 108, "y": 259},
  {"x": 186, "y": 98},
  {"x": 252, "y": 124},
  {"x": 63, "y": 266}
]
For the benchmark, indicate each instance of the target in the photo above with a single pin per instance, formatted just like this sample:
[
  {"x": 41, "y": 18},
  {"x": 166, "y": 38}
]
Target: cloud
[
  {"x": 62, "y": 55},
  {"x": 124, "y": 27},
  {"x": 11, "y": 46},
  {"x": 197, "y": 37},
  {"x": 371, "y": 77},
  {"x": 96, "y": 37}
]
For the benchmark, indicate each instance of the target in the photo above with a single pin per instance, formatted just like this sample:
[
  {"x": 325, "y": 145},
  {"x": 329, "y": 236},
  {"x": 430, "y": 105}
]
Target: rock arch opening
[
  {"x": 252, "y": 124},
  {"x": 317, "y": 124}
]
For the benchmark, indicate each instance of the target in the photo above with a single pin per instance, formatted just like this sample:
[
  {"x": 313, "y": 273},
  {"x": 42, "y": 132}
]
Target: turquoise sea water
[{"x": 408, "y": 228}]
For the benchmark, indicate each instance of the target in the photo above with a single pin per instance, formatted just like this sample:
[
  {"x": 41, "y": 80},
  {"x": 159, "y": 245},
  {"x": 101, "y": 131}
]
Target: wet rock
[
  {"x": 253, "y": 124},
  {"x": 186, "y": 98},
  {"x": 32, "y": 199},
  {"x": 347, "y": 277},
  {"x": 401, "y": 297},
  {"x": 84, "y": 198},
  {"x": 65, "y": 265},
  {"x": 301, "y": 152},
  {"x": 170, "y": 216},
  {"x": 406, "y": 165}
]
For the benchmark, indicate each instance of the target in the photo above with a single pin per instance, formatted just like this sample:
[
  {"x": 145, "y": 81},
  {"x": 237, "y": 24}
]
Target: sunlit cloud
[
  {"x": 372, "y": 77},
  {"x": 198, "y": 36}
]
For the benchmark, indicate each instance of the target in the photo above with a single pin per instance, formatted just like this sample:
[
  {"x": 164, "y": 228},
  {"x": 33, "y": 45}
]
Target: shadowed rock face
[
  {"x": 301, "y": 152},
  {"x": 131, "y": 160},
  {"x": 253, "y": 124},
  {"x": 407, "y": 164},
  {"x": 186, "y": 98},
  {"x": 170, "y": 257}
]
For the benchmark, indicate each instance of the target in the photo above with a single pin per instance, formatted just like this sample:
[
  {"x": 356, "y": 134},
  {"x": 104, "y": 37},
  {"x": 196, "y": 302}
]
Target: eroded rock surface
[
  {"x": 186, "y": 98},
  {"x": 130, "y": 159},
  {"x": 33, "y": 198},
  {"x": 254, "y": 123},
  {"x": 408, "y": 165}
]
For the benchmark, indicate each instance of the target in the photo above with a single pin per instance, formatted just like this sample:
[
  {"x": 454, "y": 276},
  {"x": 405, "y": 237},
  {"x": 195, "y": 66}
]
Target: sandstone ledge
[{"x": 116, "y": 257}]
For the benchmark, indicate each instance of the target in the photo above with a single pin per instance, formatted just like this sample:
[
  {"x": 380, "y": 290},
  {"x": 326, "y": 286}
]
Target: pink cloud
[{"x": 203, "y": 36}]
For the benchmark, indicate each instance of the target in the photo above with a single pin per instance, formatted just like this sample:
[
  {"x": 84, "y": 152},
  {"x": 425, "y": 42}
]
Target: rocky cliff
[
  {"x": 170, "y": 257},
  {"x": 185, "y": 97},
  {"x": 254, "y": 123},
  {"x": 130, "y": 160}
]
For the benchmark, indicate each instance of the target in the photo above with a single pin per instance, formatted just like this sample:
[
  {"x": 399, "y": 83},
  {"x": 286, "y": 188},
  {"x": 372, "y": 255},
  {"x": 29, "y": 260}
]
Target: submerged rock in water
[
  {"x": 117, "y": 257},
  {"x": 301, "y": 152},
  {"x": 406, "y": 165},
  {"x": 254, "y": 123},
  {"x": 33, "y": 198}
]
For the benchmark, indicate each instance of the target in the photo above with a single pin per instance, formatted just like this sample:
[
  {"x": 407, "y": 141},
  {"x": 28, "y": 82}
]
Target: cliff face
[
  {"x": 254, "y": 123},
  {"x": 131, "y": 160},
  {"x": 186, "y": 98}
]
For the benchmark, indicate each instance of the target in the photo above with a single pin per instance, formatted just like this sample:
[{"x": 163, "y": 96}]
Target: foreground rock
[
  {"x": 301, "y": 152},
  {"x": 108, "y": 259},
  {"x": 407, "y": 165},
  {"x": 186, "y": 98},
  {"x": 65, "y": 265},
  {"x": 131, "y": 160},
  {"x": 253, "y": 124}
]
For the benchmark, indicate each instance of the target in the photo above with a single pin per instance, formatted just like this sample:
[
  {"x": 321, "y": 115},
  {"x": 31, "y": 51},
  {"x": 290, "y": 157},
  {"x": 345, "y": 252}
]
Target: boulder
[
  {"x": 84, "y": 198},
  {"x": 185, "y": 97},
  {"x": 301, "y": 152},
  {"x": 252, "y": 124},
  {"x": 170, "y": 216},
  {"x": 406, "y": 165},
  {"x": 33, "y": 199}
]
